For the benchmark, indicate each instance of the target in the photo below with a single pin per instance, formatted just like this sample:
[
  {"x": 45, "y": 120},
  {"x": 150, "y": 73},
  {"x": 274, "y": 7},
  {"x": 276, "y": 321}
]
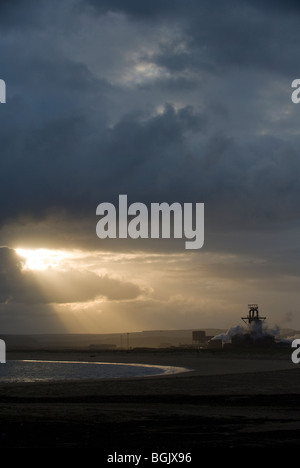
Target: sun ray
[{"x": 42, "y": 259}]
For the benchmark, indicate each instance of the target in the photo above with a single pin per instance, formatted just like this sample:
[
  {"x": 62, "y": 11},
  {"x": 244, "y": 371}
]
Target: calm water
[{"x": 38, "y": 371}]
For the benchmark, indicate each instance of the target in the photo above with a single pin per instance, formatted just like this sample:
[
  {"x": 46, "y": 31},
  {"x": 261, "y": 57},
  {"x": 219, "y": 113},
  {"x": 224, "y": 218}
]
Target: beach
[{"x": 221, "y": 400}]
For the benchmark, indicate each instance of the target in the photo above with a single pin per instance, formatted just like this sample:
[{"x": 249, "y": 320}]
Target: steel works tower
[{"x": 253, "y": 319}]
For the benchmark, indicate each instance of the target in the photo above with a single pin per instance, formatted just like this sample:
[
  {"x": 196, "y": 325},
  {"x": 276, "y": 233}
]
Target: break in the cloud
[
  {"x": 164, "y": 101},
  {"x": 19, "y": 285}
]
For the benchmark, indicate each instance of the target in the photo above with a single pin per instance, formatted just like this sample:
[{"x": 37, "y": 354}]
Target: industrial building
[{"x": 255, "y": 335}]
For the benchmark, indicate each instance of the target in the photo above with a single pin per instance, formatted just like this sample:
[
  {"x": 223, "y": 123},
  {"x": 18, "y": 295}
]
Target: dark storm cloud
[
  {"x": 238, "y": 33},
  {"x": 288, "y": 6},
  {"x": 136, "y": 8},
  {"x": 150, "y": 160},
  {"x": 19, "y": 285},
  {"x": 178, "y": 7},
  {"x": 72, "y": 169},
  {"x": 72, "y": 137},
  {"x": 16, "y": 13}
]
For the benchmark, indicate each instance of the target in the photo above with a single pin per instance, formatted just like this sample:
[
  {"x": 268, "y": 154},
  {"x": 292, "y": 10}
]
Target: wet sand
[{"x": 225, "y": 400}]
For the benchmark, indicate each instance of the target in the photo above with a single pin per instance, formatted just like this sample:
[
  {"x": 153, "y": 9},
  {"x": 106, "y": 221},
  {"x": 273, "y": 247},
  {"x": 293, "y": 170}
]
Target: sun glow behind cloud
[
  {"x": 106, "y": 291},
  {"x": 43, "y": 259}
]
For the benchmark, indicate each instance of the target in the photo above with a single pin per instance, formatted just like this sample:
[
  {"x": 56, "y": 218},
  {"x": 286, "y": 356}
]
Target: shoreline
[
  {"x": 201, "y": 362},
  {"x": 225, "y": 401},
  {"x": 155, "y": 370},
  {"x": 201, "y": 374}
]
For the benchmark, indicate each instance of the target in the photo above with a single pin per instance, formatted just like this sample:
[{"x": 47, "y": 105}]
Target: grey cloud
[
  {"x": 21, "y": 286},
  {"x": 83, "y": 286},
  {"x": 244, "y": 184},
  {"x": 62, "y": 154},
  {"x": 230, "y": 35},
  {"x": 16, "y": 13},
  {"x": 135, "y": 8}
]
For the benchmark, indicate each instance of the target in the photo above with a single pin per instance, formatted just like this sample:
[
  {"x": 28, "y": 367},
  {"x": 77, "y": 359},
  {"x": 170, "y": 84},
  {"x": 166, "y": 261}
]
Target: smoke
[
  {"x": 257, "y": 329},
  {"x": 289, "y": 339},
  {"x": 226, "y": 337}
]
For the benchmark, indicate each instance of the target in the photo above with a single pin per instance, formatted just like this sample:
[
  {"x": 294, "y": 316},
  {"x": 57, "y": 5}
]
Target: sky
[{"x": 164, "y": 101}]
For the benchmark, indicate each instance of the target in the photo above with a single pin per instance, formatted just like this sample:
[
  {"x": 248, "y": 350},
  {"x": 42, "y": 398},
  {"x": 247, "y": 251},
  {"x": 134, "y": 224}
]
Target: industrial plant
[{"x": 256, "y": 334}]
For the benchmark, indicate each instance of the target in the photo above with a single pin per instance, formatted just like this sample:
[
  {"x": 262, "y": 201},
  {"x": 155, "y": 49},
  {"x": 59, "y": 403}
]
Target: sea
[{"x": 47, "y": 371}]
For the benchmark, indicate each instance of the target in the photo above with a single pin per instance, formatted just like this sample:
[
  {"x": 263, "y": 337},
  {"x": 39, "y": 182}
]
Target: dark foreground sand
[{"x": 224, "y": 401}]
